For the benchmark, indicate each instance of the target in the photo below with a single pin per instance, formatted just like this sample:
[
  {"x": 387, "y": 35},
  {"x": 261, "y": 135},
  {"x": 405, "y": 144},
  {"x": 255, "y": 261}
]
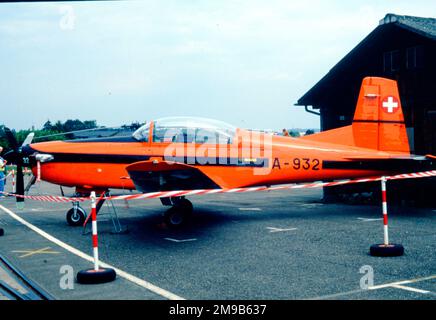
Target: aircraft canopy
[{"x": 187, "y": 130}]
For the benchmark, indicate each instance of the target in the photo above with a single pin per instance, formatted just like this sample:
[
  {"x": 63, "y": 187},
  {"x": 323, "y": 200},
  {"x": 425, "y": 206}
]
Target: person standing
[
  {"x": 2, "y": 173},
  {"x": 285, "y": 133}
]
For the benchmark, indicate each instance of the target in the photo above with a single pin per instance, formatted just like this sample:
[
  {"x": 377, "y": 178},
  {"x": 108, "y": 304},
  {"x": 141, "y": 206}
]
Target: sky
[{"x": 243, "y": 62}]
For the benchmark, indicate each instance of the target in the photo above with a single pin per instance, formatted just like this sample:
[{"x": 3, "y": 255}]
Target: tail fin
[{"x": 379, "y": 121}]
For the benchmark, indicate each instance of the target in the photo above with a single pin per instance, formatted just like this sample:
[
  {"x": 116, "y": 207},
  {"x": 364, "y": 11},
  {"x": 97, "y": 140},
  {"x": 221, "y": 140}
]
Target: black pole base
[
  {"x": 390, "y": 250},
  {"x": 91, "y": 276}
]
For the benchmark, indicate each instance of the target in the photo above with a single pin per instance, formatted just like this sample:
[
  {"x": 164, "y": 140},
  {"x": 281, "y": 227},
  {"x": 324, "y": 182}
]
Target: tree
[
  {"x": 47, "y": 126},
  {"x": 3, "y": 141},
  {"x": 58, "y": 126},
  {"x": 90, "y": 124},
  {"x": 76, "y": 125}
]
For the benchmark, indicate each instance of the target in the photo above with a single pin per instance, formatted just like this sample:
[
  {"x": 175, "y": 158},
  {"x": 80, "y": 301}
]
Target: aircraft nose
[{"x": 27, "y": 151}]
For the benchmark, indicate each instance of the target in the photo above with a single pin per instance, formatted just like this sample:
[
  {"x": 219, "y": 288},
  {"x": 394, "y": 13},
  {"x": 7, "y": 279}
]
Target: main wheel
[
  {"x": 178, "y": 214},
  {"x": 76, "y": 217}
]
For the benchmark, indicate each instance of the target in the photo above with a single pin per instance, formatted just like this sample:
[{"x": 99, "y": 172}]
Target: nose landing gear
[{"x": 76, "y": 215}]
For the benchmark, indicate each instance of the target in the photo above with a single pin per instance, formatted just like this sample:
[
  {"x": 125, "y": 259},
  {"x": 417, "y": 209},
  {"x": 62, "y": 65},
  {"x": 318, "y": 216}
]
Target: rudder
[{"x": 379, "y": 121}]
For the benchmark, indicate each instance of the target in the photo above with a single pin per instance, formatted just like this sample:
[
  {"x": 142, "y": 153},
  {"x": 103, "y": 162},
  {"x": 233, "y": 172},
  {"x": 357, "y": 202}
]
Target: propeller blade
[
  {"x": 20, "y": 182},
  {"x": 30, "y": 184},
  {"x": 16, "y": 156},
  {"x": 28, "y": 139}
]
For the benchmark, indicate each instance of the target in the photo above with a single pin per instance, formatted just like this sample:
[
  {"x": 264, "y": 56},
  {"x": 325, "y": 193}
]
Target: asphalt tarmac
[{"x": 267, "y": 245}]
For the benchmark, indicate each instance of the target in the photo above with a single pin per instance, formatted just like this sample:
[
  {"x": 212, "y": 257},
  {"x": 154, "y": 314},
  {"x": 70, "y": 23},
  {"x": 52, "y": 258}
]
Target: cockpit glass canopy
[
  {"x": 142, "y": 133},
  {"x": 188, "y": 130}
]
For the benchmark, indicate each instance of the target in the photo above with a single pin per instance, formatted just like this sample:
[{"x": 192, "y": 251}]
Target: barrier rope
[
  {"x": 183, "y": 193},
  {"x": 2, "y": 179}
]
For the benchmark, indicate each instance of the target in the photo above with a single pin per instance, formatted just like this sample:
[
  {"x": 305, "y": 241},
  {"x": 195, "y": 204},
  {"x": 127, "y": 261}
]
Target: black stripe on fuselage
[
  {"x": 129, "y": 159},
  {"x": 97, "y": 158},
  {"x": 397, "y": 165},
  {"x": 379, "y": 121}
]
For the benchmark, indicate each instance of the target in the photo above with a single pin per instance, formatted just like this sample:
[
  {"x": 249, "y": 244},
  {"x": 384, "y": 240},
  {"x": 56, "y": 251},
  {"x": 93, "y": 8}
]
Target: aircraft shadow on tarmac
[{"x": 203, "y": 220}]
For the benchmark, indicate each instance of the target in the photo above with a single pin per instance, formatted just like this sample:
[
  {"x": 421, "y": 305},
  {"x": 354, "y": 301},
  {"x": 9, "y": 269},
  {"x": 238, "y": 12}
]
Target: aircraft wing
[{"x": 153, "y": 176}]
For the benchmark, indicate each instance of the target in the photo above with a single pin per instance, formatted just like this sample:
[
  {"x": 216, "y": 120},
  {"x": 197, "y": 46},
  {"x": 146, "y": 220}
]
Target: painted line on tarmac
[
  {"x": 147, "y": 285},
  {"x": 369, "y": 220},
  {"x": 28, "y": 253},
  {"x": 180, "y": 241},
  {"x": 378, "y": 287},
  {"x": 402, "y": 282},
  {"x": 274, "y": 230},
  {"x": 398, "y": 286}
]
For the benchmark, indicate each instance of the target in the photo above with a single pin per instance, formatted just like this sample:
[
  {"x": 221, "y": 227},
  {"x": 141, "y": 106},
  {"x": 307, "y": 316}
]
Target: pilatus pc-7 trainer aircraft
[{"x": 192, "y": 153}]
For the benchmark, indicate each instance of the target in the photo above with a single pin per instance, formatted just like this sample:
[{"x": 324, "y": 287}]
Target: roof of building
[{"x": 423, "y": 26}]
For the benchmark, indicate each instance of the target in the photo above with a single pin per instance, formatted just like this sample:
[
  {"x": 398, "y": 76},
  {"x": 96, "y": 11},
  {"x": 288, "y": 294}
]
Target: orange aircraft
[{"x": 194, "y": 153}]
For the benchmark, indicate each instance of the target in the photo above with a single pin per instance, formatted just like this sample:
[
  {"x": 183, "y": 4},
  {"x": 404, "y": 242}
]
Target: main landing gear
[{"x": 180, "y": 212}]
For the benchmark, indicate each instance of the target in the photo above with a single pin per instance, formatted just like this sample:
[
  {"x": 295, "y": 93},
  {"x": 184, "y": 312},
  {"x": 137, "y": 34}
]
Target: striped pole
[
  {"x": 13, "y": 180},
  {"x": 385, "y": 211},
  {"x": 94, "y": 230},
  {"x": 97, "y": 274},
  {"x": 38, "y": 166}
]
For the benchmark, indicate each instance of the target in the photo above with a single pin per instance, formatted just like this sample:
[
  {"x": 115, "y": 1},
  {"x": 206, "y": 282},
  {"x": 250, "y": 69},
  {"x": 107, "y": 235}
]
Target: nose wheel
[
  {"x": 76, "y": 216},
  {"x": 179, "y": 213}
]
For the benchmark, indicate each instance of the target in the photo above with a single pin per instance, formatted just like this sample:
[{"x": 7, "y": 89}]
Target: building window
[
  {"x": 391, "y": 61},
  {"x": 415, "y": 57}
]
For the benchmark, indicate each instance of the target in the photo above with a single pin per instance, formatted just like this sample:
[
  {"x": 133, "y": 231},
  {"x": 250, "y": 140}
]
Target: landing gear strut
[
  {"x": 179, "y": 213},
  {"x": 76, "y": 216}
]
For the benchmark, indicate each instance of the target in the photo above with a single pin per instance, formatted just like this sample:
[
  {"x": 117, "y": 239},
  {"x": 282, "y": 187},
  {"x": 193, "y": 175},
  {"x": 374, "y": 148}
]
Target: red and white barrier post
[
  {"x": 94, "y": 230},
  {"x": 13, "y": 181},
  {"x": 385, "y": 211},
  {"x": 96, "y": 275},
  {"x": 38, "y": 171},
  {"x": 386, "y": 249}
]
